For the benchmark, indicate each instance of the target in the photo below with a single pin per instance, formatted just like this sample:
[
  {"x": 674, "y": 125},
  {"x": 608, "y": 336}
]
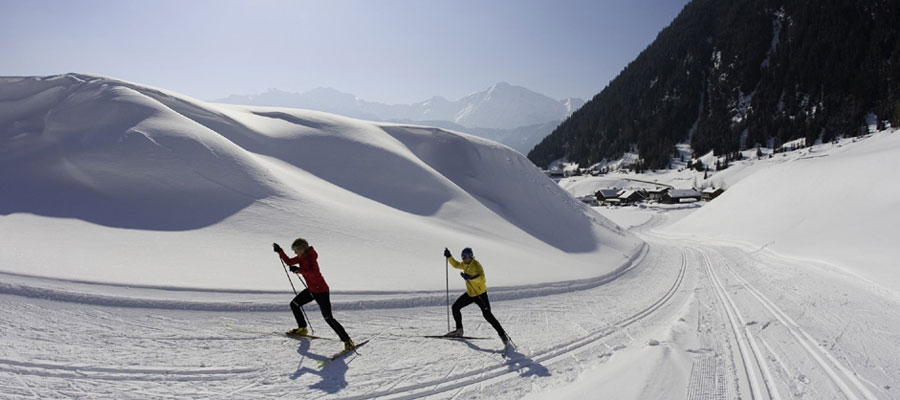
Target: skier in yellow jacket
[{"x": 476, "y": 292}]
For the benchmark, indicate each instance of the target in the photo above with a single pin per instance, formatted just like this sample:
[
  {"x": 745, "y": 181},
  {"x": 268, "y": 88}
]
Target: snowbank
[
  {"x": 115, "y": 182},
  {"x": 836, "y": 203}
]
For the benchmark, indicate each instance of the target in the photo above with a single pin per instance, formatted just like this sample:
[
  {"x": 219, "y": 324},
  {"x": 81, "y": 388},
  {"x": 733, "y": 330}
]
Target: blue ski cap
[{"x": 467, "y": 252}]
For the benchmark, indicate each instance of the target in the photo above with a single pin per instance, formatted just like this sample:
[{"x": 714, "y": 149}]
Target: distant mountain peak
[
  {"x": 510, "y": 114},
  {"x": 436, "y": 99},
  {"x": 501, "y": 106}
]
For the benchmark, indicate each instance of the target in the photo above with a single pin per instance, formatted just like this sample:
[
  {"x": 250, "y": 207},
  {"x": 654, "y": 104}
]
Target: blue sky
[{"x": 392, "y": 51}]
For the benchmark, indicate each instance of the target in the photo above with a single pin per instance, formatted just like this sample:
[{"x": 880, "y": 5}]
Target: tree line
[{"x": 728, "y": 76}]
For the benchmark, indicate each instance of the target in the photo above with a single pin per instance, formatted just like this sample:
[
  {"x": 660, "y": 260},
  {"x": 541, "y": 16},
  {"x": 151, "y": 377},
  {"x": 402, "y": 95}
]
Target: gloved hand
[
  {"x": 276, "y": 247},
  {"x": 447, "y": 253},
  {"x": 465, "y": 275},
  {"x": 294, "y": 269}
]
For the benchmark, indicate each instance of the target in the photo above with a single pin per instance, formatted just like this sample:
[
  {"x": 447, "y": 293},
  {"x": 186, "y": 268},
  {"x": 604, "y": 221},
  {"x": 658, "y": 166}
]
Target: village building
[
  {"x": 608, "y": 196},
  {"x": 555, "y": 173},
  {"x": 590, "y": 200},
  {"x": 711, "y": 193},
  {"x": 656, "y": 194},
  {"x": 675, "y": 196},
  {"x": 631, "y": 196}
]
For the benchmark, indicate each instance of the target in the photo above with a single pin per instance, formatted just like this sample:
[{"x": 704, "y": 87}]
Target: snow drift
[
  {"x": 128, "y": 184},
  {"x": 834, "y": 203}
]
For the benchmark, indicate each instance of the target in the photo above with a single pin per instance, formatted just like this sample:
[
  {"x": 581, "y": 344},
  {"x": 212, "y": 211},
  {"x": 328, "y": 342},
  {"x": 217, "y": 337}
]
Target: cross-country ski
[
  {"x": 289, "y": 334},
  {"x": 456, "y": 337},
  {"x": 306, "y": 337},
  {"x": 342, "y": 353}
]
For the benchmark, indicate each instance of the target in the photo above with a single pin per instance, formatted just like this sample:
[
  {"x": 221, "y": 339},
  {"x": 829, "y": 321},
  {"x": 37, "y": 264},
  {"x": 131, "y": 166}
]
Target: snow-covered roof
[
  {"x": 679, "y": 193},
  {"x": 608, "y": 193},
  {"x": 627, "y": 193}
]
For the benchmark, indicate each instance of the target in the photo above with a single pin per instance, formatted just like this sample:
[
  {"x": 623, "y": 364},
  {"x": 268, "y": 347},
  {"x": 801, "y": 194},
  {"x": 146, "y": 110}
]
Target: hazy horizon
[{"x": 399, "y": 51}]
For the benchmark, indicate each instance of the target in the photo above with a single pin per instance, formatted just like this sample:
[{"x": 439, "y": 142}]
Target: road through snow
[{"x": 689, "y": 320}]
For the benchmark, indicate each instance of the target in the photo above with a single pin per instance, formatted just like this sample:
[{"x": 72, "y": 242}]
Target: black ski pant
[
  {"x": 484, "y": 304},
  {"x": 324, "y": 301}
]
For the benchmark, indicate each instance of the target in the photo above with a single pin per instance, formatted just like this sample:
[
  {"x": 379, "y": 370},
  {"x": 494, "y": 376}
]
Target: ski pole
[
  {"x": 308, "y": 322},
  {"x": 302, "y": 311},
  {"x": 288, "y": 276},
  {"x": 447, "y": 281}
]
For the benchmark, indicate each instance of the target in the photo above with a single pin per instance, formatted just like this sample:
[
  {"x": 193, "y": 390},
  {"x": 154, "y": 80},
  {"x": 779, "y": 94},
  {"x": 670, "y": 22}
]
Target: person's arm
[
  {"x": 455, "y": 264},
  {"x": 478, "y": 271},
  {"x": 452, "y": 261},
  {"x": 467, "y": 276},
  {"x": 287, "y": 260}
]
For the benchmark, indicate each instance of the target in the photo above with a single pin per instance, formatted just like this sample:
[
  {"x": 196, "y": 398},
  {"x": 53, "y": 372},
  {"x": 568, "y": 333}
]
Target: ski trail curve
[{"x": 457, "y": 381}]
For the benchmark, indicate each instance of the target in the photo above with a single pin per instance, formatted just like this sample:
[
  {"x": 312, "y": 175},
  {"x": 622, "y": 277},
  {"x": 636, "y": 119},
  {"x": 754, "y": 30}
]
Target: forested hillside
[{"x": 726, "y": 76}]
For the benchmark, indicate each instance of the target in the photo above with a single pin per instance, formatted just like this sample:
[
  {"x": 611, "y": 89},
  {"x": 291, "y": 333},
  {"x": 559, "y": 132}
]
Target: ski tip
[{"x": 342, "y": 353}]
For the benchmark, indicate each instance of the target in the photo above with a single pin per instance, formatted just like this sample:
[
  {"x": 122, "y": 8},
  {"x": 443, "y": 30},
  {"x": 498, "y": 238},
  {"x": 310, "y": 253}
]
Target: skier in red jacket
[{"x": 317, "y": 289}]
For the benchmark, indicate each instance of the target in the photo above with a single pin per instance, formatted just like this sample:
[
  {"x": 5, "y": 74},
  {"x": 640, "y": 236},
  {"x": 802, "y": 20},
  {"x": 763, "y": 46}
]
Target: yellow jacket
[{"x": 474, "y": 287}]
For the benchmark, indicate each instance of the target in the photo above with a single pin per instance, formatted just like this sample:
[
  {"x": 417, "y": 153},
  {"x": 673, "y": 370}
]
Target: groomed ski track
[{"x": 748, "y": 324}]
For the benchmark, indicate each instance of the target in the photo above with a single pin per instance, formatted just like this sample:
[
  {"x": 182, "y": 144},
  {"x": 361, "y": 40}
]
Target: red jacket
[{"x": 309, "y": 268}]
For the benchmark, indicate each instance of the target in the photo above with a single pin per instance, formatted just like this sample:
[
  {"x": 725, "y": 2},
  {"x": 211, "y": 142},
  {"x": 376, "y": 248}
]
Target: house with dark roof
[
  {"x": 675, "y": 196},
  {"x": 608, "y": 195},
  {"x": 657, "y": 193},
  {"x": 589, "y": 200},
  {"x": 711, "y": 193},
  {"x": 631, "y": 196}
]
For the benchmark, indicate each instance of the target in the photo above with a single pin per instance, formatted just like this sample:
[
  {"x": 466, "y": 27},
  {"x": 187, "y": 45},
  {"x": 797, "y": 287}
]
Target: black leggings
[
  {"x": 484, "y": 304},
  {"x": 324, "y": 302}
]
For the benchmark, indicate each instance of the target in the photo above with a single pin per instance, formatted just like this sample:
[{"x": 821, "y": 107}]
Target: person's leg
[
  {"x": 304, "y": 297},
  {"x": 485, "y": 304},
  {"x": 461, "y": 302},
  {"x": 324, "y": 302}
]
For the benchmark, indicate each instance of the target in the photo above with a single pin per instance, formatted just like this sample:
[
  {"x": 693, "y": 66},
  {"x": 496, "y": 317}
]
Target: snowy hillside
[
  {"x": 116, "y": 182},
  {"x": 830, "y": 203}
]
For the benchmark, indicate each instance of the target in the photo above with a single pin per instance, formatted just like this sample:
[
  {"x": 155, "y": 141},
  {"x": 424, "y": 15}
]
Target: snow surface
[
  {"x": 132, "y": 185},
  {"x": 136, "y": 262},
  {"x": 836, "y": 204},
  {"x": 831, "y": 203}
]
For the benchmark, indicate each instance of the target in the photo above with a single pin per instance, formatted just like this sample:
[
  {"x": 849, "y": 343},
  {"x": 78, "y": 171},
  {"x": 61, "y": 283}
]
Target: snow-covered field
[
  {"x": 834, "y": 204},
  {"x": 124, "y": 276},
  {"x": 688, "y": 320}
]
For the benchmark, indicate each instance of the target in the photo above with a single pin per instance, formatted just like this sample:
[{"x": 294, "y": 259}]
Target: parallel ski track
[
  {"x": 457, "y": 381},
  {"x": 752, "y": 358},
  {"x": 68, "y": 371},
  {"x": 843, "y": 378}
]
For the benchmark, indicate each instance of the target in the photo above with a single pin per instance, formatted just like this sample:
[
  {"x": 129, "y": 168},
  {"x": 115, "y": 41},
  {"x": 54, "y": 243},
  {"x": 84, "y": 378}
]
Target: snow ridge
[{"x": 196, "y": 192}]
